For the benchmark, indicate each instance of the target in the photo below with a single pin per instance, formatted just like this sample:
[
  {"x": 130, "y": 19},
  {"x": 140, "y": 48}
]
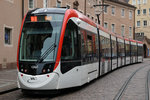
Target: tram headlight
[
  {"x": 48, "y": 70},
  {"x": 44, "y": 70},
  {"x": 25, "y": 70},
  {"x": 21, "y": 69}
]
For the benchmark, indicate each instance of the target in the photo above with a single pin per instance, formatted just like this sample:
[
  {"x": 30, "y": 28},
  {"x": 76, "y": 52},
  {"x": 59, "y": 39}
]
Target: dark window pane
[{"x": 7, "y": 36}]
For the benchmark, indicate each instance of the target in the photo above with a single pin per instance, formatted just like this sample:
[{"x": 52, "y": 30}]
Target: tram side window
[
  {"x": 108, "y": 49},
  {"x": 114, "y": 49},
  {"x": 94, "y": 47},
  {"x": 119, "y": 49},
  {"x": 89, "y": 48},
  {"x": 133, "y": 50},
  {"x": 122, "y": 50},
  {"x": 140, "y": 50},
  {"x": 102, "y": 46},
  {"x": 70, "y": 55},
  {"x": 83, "y": 45},
  {"x": 105, "y": 47},
  {"x": 69, "y": 50},
  {"x": 127, "y": 50}
]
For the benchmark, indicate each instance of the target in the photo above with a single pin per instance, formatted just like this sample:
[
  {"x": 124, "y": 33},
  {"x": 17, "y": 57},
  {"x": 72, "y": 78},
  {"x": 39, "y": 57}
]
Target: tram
[{"x": 59, "y": 48}]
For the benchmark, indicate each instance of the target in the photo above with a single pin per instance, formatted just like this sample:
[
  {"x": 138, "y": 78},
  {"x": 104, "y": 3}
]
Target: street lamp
[{"x": 97, "y": 12}]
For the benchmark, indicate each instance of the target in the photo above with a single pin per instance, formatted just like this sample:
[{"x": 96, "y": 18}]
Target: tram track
[
  {"x": 147, "y": 91},
  {"x": 125, "y": 85}
]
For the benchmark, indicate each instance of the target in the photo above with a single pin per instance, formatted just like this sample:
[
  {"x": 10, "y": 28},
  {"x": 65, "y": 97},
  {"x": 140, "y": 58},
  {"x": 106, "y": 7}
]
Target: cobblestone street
[{"x": 103, "y": 88}]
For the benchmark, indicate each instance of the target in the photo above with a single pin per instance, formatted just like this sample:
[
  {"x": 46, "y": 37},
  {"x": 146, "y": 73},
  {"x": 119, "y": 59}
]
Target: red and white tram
[{"x": 58, "y": 48}]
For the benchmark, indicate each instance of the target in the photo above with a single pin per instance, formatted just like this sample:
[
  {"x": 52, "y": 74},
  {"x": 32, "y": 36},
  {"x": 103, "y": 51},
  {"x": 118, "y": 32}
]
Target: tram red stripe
[
  {"x": 68, "y": 14},
  {"x": 19, "y": 42}
]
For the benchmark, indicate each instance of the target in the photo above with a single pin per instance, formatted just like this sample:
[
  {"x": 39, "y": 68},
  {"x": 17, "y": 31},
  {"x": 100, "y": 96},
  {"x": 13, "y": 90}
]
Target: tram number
[{"x": 32, "y": 79}]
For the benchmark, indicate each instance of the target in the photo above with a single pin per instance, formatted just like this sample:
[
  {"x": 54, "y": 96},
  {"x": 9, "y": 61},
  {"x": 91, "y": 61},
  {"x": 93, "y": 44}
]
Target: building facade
[
  {"x": 14, "y": 10},
  {"x": 119, "y": 17},
  {"x": 10, "y": 22},
  {"x": 142, "y": 23}
]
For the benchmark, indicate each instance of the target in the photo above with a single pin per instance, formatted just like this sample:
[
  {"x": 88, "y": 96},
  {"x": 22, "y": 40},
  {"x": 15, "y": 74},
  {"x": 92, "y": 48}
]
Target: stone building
[
  {"x": 10, "y": 22},
  {"x": 12, "y": 12},
  {"x": 142, "y": 23},
  {"x": 119, "y": 17}
]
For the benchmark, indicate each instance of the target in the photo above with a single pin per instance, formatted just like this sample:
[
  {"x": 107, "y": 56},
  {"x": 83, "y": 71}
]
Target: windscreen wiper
[{"x": 46, "y": 53}]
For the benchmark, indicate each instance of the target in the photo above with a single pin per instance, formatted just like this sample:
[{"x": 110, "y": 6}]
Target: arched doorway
[{"x": 145, "y": 50}]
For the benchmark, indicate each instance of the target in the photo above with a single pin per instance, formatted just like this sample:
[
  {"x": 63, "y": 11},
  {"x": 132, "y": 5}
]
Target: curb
[{"x": 10, "y": 90}]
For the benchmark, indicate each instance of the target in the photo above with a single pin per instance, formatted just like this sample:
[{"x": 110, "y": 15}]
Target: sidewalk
[{"x": 8, "y": 80}]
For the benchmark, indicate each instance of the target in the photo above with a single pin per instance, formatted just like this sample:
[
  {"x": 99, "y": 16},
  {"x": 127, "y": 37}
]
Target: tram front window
[{"x": 40, "y": 37}]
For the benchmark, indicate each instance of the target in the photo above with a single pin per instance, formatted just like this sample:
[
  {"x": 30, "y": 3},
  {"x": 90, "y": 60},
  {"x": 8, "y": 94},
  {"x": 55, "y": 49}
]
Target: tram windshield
[{"x": 40, "y": 36}]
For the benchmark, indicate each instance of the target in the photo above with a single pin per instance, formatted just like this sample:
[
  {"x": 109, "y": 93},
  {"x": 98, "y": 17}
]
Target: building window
[
  {"x": 138, "y": 12},
  {"x": 130, "y": 31},
  {"x": 133, "y": 2},
  {"x": 95, "y": 20},
  {"x": 122, "y": 30},
  {"x": 122, "y": 12},
  {"x": 130, "y": 14},
  {"x": 58, "y": 4},
  {"x": 142, "y": 34},
  {"x": 113, "y": 10},
  {"x": 31, "y": 4},
  {"x": 139, "y": 2},
  {"x": 145, "y": 23},
  {"x": 92, "y": 18},
  {"x": 149, "y": 11},
  {"x": 45, "y": 3},
  {"x": 105, "y": 25},
  {"x": 113, "y": 28},
  {"x": 10, "y": 1},
  {"x": 8, "y": 36},
  {"x": 138, "y": 24},
  {"x": 144, "y": 1},
  {"x": 144, "y": 11},
  {"x": 105, "y": 9}
]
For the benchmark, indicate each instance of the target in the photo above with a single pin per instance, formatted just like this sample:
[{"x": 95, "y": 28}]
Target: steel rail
[
  {"x": 147, "y": 93},
  {"x": 124, "y": 86}
]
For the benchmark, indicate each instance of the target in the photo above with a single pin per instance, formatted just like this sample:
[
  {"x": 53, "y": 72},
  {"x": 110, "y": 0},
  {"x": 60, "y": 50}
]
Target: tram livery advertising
[{"x": 59, "y": 48}]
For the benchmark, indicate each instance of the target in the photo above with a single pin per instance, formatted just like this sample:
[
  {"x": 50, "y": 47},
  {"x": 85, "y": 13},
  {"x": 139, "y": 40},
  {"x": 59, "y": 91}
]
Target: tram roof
[
  {"x": 79, "y": 15},
  {"x": 48, "y": 10}
]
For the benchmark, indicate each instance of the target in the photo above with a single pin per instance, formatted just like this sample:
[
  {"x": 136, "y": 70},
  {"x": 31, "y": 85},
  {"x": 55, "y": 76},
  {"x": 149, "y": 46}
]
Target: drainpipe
[
  {"x": 102, "y": 14},
  {"x": 85, "y": 7},
  {"x": 22, "y": 9}
]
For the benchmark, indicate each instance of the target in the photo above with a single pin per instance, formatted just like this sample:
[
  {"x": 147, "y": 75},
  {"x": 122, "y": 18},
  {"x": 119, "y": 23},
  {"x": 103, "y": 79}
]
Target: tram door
[
  {"x": 105, "y": 46},
  {"x": 121, "y": 52},
  {"x": 127, "y": 52}
]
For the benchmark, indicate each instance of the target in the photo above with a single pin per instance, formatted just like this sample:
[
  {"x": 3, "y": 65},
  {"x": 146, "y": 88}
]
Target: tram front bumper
[{"x": 38, "y": 82}]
